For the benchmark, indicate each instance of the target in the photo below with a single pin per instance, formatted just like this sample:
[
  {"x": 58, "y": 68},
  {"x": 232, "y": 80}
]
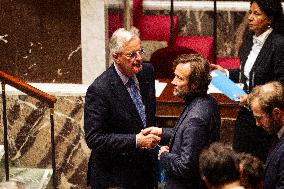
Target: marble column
[{"x": 92, "y": 39}]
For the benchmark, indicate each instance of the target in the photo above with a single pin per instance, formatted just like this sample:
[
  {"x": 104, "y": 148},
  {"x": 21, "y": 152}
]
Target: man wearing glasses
[{"x": 118, "y": 105}]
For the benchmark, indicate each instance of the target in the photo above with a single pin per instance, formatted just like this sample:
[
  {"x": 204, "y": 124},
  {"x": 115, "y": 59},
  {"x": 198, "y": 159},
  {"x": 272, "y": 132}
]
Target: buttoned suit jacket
[
  {"x": 111, "y": 122},
  {"x": 268, "y": 66},
  {"x": 274, "y": 168},
  {"x": 197, "y": 127}
]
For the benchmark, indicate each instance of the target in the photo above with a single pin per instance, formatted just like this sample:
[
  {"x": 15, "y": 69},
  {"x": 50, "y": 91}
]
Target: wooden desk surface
[{"x": 169, "y": 106}]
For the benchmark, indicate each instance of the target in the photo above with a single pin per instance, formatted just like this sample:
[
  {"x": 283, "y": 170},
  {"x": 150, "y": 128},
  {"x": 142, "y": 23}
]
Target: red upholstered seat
[
  {"x": 202, "y": 45},
  {"x": 228, "y": 63},
  {"x": 162, "y": 60},
  {"x": 156, "y": 27},
  {"x": 114, "y": 22}
]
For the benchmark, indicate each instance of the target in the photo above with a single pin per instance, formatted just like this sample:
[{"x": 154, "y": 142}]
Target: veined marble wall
[
  {"x": 29, "y": 137},
  {"x": 49, "y": 41},
  {"x": 41, "y": 40}
]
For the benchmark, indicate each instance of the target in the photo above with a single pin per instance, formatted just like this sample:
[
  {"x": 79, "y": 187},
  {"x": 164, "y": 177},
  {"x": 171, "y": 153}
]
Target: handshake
[{"x": 149, "y": 138}]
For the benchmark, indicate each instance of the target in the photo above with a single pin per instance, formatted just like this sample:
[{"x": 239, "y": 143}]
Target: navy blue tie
[{"x": 134, "y": 93}]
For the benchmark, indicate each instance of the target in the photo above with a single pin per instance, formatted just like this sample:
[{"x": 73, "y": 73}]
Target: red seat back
[
  {"x": 202, "y": 45},
  {"x": 156, "y": 27},
  {"x": 162, "y": 60}
]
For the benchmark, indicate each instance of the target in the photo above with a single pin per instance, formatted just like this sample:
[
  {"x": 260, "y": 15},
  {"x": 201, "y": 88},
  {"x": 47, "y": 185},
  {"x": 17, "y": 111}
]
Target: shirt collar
[
  {"x": 280, "y": 132},
  {"x": 123, "y": 77},
  {"x": 262, "y": 38}
]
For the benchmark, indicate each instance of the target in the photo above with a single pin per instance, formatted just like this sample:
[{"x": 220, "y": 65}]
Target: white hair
[{"x": 120, "y": 37}]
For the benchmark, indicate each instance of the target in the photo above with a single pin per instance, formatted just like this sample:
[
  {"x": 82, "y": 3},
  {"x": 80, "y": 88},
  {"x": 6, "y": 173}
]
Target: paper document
[
  {"x": 213, "y": 89},
  {"x": 159, "y": 86},
  {"x": 226, "y": 86}
]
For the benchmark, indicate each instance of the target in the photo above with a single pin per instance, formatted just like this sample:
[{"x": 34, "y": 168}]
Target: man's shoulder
[
  {"x": 206, "y": 100},
  {"x": 103, "y": 79},
  {"x": 204, "y": 105}
]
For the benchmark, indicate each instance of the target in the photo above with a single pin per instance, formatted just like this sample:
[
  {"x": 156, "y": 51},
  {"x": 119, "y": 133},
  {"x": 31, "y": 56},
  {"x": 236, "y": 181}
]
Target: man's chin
[{"x": 179, "y": 95}]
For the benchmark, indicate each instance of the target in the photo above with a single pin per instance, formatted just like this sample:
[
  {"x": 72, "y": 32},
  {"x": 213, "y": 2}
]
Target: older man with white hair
[{"x": 119, "y": 104}]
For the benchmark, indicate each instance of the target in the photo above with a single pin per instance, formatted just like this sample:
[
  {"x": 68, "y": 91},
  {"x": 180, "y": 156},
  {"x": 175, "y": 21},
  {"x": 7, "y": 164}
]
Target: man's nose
[{"x": 173, "y": 82}]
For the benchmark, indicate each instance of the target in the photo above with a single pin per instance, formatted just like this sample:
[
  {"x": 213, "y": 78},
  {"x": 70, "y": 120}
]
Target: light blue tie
[{"x": 136, "y": 98}]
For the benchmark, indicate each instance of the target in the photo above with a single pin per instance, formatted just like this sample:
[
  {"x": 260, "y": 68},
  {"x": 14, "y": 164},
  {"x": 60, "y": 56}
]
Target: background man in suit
[
  {"x": 267, "y": 104},
  {"x": 197, "y": 127},
  {"x": 119, "y": 104}
]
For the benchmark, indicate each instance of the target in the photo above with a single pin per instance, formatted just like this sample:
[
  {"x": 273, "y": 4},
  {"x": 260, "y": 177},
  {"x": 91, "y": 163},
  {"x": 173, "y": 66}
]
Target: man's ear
[
  {"x": 276, "y": 113},
  {"x": 114, "y": 56}
]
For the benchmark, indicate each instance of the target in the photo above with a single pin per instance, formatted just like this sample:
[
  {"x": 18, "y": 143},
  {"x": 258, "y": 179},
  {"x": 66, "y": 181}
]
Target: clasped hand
[
  {"x": 149, "y": 138},
  {"x": 158, "y": 132}
]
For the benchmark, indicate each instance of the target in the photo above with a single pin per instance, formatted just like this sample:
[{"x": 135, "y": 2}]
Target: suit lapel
[
  {"x": 179, "y": 122},
  {"x": 244, "y": 55},
  {"x": 263, "y": 52},
  {"x": 122, "y": 95},
  {"x": 247, "y": 48}
]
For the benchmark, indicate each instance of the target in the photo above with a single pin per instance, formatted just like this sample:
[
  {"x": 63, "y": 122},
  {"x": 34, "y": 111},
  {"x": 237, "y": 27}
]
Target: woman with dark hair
[{"x": 262, "y": 60}]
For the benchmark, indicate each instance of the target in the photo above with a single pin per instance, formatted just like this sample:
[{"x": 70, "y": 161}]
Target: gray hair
[{"x": 120, "y": 37}]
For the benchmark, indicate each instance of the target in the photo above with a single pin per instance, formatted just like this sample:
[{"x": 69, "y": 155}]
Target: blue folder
[{"x": 226, "y": 85}]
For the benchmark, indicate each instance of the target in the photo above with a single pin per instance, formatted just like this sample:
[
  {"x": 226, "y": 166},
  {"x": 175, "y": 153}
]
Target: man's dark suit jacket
[
  {"x": 274, "y": 167},
  {"x": 268, "y": 66},
  {"x": 197, "y": 127},
  {"x": 111, "y": 125}
]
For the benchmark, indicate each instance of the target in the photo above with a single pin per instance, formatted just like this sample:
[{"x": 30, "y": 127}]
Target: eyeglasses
[{"x": 134, "y": 54}]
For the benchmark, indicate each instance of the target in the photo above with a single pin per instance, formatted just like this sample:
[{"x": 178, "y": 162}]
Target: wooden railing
[{"x": 41, "y": 96}]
